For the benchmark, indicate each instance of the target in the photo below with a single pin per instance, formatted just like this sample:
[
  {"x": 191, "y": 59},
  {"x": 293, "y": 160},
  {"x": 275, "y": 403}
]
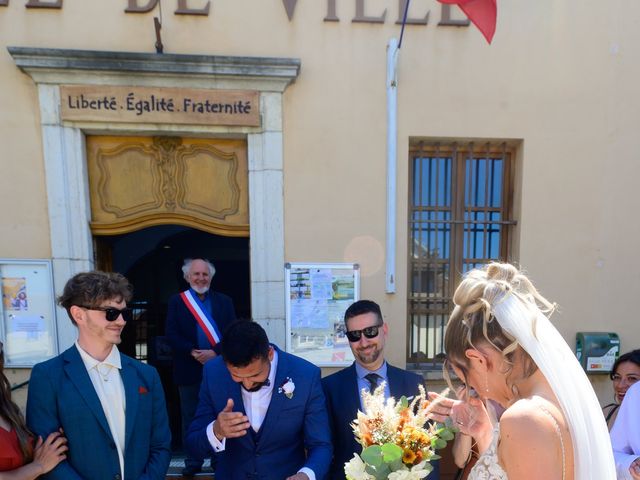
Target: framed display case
[
  {"x": 28, "y": 327},
  {"x": 317, "y": 295}
]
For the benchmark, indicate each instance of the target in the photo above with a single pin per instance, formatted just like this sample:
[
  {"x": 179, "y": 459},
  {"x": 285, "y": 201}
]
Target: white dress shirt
[
  {"x": 107, "y": 382},
  {"x": 625, "y": 434},
  {"x": 256, "y": 405}
]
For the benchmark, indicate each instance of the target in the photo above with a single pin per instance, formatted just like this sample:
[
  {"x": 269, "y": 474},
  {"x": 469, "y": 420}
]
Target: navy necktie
[{"x": 372, "y": 378}]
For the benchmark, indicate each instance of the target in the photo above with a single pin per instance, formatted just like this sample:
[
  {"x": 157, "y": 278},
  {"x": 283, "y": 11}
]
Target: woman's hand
[
  {"x": 469, "y": 416},
  {"x": 634, "y": 469},
  {"x": 50, "y": 452}
]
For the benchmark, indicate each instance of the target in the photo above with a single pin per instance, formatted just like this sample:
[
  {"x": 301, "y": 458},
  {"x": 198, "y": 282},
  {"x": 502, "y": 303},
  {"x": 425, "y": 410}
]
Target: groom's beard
[{"x": 257, "y": 387}]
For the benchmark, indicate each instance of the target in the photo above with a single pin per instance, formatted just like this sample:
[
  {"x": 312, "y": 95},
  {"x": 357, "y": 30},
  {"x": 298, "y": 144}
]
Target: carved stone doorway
[{"x": 156, "y": 200}]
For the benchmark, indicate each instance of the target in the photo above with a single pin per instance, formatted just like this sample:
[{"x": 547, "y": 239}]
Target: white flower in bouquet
[
  {"x": 354, "y": 469},
  {"x": 415, "y": 473}
]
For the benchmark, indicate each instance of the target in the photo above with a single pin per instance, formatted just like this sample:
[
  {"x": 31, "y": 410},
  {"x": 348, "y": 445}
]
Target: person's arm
[
  {"x": 540, "y": 456},
  {"x": 160, "y": 444},
  {"x": 461, "y": 449},
  {"x": 47, "y": 454},
  {"x": 317, "y": 433},
  {"x": 42, "y": 418},
  {"x": 625, "y": 433},
  {"x": 174, "y": 331},
  {"x": 330, "y": 413},
  {"x": 197, "y": 441}
]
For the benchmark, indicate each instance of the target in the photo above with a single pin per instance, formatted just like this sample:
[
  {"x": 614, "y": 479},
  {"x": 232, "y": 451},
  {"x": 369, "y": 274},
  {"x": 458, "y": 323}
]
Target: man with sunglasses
[
  {"x": 367, "y": 333},
  {"x": 110, "y": 406}
]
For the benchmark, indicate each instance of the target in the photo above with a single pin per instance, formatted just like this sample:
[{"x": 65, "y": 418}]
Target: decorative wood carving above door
[{"x": 138, "y": 182}]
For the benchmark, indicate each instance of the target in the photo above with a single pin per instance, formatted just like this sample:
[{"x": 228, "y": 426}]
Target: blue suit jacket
[
  {"x": 181, "y": 333},
  {"x": 295, "y": 432},
  {"x": 61, "y": 395},
  {"x": 343, "y": 403}
]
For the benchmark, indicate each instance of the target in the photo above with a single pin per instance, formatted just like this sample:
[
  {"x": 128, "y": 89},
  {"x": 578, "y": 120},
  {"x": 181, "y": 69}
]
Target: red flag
[{"x": 482, "y": 13}]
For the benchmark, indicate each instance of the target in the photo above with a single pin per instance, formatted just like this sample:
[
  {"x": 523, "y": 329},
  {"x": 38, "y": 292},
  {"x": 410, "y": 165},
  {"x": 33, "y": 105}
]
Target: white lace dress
[{"x": 487, "y": 466}]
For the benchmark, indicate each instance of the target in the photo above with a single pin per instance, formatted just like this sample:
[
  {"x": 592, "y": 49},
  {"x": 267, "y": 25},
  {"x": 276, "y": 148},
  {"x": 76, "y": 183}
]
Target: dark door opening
[{"x": 152, "y": 259}]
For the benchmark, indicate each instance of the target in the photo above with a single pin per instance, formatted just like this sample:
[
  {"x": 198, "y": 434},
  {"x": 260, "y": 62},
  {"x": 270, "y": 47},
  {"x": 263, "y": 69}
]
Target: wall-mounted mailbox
[{"x": 597, "y": 351}]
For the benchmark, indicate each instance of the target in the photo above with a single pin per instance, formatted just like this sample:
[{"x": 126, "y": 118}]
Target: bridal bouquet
[{"x": 397, "y": 442}]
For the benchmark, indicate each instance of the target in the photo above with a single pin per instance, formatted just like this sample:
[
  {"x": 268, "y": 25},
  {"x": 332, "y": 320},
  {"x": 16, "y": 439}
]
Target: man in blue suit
[
  {"x": 367, "y": 334},
  {"x": 194, "y": 318},
  {"x": 262, "y": 410},
  {"x": 110, "y": 406}
]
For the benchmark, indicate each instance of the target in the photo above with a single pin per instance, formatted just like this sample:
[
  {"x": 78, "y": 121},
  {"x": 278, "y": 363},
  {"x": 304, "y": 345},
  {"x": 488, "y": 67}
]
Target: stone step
[{"x": 177, "y": 464}]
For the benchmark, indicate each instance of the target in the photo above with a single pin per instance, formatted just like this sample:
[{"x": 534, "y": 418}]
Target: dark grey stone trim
[{"x": 28, "y": 58}]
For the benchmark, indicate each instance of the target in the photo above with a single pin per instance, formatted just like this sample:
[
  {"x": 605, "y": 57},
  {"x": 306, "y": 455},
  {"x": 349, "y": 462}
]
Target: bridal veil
[{"x": 519, "y": 315}]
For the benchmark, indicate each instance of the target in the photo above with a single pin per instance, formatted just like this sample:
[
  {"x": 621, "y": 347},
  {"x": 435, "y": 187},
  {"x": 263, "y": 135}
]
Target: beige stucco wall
[{"x": 560, "y": 76}]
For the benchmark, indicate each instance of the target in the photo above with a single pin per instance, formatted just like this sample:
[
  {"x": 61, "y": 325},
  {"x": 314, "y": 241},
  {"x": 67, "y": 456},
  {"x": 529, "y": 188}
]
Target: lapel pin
[{"x": 287, "y": 388}]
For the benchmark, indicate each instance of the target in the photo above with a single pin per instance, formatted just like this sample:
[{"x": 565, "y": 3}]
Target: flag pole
[{"x": 393, "y": 49}]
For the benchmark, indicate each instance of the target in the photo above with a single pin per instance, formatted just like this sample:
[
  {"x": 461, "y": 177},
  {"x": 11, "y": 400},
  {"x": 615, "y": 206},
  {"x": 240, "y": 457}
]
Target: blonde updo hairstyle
[{"x": 472, "y": 322}]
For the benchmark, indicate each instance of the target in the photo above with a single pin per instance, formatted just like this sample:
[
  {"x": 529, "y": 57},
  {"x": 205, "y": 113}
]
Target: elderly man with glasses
[
  {"x": 367, "y": 333},
  {"x": 110, "y": 406}
]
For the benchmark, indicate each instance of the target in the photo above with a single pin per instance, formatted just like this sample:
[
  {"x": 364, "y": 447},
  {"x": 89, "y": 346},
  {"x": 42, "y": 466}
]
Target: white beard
[{"x": 200, "y": 290}]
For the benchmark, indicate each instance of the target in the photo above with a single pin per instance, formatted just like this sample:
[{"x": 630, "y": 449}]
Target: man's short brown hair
[{"x": 91, "y": 289}]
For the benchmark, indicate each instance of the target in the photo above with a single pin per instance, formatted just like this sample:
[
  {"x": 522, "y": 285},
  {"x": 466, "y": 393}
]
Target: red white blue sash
[{"x": 204, "y": 319}]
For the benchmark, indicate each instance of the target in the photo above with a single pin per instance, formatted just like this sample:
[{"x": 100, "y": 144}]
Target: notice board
[
  {"x": 28, "y": 327},
  {"x": 317, "y": 295}
]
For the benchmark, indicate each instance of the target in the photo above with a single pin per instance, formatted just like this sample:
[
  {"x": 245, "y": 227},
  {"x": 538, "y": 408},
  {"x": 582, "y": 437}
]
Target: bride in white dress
[{"x": 500, "y": 342}]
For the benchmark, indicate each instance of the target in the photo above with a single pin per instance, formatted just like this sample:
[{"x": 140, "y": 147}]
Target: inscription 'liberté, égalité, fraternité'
[
  {"x": 156, "y": 103},
  {"x": 140, "y": 104}
]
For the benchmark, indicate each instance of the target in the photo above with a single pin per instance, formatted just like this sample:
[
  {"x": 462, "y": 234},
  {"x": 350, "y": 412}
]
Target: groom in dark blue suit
[
  {"x": 367, "y": 333},
  {"x": 262, "y": 411}
]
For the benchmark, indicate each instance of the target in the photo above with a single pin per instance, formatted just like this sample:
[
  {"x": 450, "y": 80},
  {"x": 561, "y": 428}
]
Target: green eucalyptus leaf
[
  {"x": 391, "y": 452},
  {"x": 438, "y": 444},
  {"x": 380, "y": 472},
  {"x": 446, "y": 434},
  {"x": 396, "y": 465},
  {"x": 372, "y": 456}
]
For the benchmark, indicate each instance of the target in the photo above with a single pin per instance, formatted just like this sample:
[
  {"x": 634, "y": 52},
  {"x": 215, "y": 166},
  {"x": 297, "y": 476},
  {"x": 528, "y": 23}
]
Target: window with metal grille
[{"x": 460, "y": 217}]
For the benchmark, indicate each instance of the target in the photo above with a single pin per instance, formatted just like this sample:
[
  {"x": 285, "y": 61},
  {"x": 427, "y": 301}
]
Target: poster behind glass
[
  {"x": 317, "y": 296},
  {"x": 28, "y": 323}
]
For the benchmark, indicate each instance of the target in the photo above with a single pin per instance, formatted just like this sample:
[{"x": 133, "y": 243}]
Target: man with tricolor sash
[{"x": 196, "y": 319}]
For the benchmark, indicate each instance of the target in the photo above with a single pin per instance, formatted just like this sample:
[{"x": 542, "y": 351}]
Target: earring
[{"x": 486, "y": 382}]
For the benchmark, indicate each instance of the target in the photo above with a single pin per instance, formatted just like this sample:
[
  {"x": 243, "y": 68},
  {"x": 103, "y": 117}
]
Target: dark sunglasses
[
  {"x": 111, "y": 314},
  {"x": 369, "y": 332}
]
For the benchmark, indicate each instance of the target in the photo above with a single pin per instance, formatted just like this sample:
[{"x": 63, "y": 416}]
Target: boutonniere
[
  {"x": 287, "y": 388},
  {"x": 142, "y": 390}
]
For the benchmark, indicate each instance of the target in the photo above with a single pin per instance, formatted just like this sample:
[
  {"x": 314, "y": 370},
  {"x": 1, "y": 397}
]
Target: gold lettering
[
  {"x": 361, "y": 17},
  {"x": 183, "y": 9},
  {"x": 331, "y": 12},
  {"x": 445, "y": 18},
  {"x": 289, "y": 6},
  {"x": 43, "y": 4},
  {"x": 133, "y": 6},
  {"x": 402, "y": 4}
]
